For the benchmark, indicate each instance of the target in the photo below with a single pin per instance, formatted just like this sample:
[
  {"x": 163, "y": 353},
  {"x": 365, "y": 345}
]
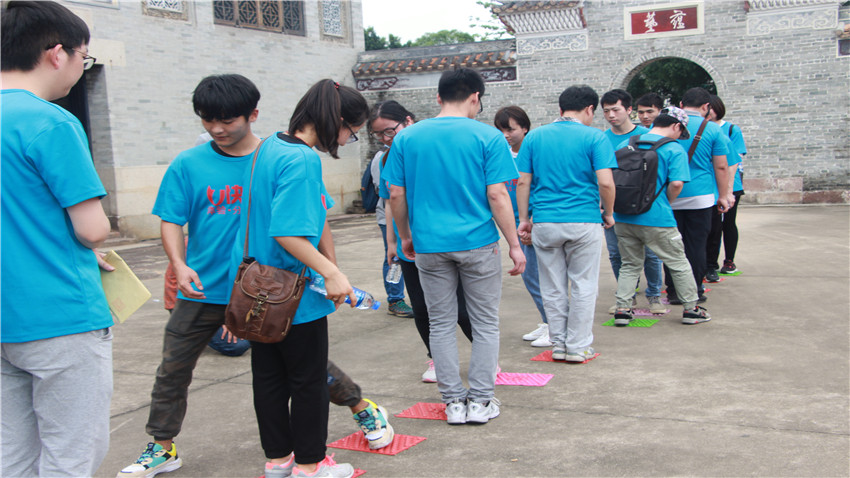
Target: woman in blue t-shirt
[
  {"x": 386, "y": 120},
  {"x": 288, "y": 230}
]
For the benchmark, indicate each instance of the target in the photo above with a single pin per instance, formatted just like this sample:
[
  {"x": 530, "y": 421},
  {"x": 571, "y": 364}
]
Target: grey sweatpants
[{"x": 55, "y": 404}]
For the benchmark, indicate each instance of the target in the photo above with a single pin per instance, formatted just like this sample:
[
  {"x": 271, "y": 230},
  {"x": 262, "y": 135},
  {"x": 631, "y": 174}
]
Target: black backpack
[
  {"x": 367, "y": 190},
  {"x": 636, "y": 176}
]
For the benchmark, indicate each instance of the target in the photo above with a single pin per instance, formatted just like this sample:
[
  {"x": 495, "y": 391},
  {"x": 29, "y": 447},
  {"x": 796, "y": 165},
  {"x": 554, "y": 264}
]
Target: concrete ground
[{"x": 761, "y": 390}]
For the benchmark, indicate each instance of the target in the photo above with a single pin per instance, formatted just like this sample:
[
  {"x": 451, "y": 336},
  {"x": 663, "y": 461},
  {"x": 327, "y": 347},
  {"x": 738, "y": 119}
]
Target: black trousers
[
  {"x": 291, "y": 392},
  {"x": 694, "y": 226},
  {"x": 723, "y": 225},
  {"x": 420, "y": 309}
]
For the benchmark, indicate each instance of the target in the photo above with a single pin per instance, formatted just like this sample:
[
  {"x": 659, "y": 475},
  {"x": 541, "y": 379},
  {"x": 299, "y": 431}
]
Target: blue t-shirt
[
  {"x": 702, "y": 181},
  {"x": 288, "y": 200},
  {"x": 204, "y": 188},
  {"x": 734, "y": 134},
  {"x": 51, "y": 282},
  {"x": 446, "y": 164},
  {"x": 672, "y": 166},
  {"x": 618, "y": 139},
  {"x": 563, "y": 158},
  {"x": 384, "y": 192}
]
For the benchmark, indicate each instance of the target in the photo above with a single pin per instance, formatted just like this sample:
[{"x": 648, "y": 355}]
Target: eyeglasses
[
  {"x": 389, "y": 132},
  {"x": 353, "y": 137},
  {"x": 88, "y": 60},
  {"x": 480, "y": 104}
]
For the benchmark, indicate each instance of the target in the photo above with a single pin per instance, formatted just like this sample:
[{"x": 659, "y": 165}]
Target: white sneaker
[
  {"x": 536, "y": 333},
  {"x": 430, "y": 375},
  {"x": 543, "y": 340},
  {"x": 456, "y": 412},
  {"x": 479, "y": 413}
]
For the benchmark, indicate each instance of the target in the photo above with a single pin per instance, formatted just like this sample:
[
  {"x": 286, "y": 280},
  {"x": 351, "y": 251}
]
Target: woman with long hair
[{"x": 288, "y": 230}]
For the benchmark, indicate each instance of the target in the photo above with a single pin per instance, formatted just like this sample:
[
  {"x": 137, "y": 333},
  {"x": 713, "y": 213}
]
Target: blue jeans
[
  {"x": 230, "y": 349},
  {"x": 652, "y": 266},
  {"x": 395, "y": 292},
  {"x": 531, "y": 278}
]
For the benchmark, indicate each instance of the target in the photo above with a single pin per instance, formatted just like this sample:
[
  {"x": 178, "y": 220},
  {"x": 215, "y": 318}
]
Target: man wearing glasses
[
  {"x": 56, "y": 336},
  {"x": 447, "y": 177}
]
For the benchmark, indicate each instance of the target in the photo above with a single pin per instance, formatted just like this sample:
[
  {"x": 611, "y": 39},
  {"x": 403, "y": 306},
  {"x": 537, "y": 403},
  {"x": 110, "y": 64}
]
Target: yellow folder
[{"x": 125, "y": 293}]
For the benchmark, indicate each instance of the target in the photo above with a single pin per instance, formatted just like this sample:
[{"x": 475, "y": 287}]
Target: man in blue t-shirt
[
  {"x": 565, "y": 169},
  {"x": 617, "y": 109},
  {"x": 202, "y": 188},
  {"x": 656, "y": 228},
  {"x": 708, "y": 188},
  {"x": 447, "y": 178},
  {"x": 56, "y": 341}
]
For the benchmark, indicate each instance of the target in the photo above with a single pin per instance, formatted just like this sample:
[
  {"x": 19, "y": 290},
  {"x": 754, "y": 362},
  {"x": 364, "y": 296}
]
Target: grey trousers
[
  {"x": 667, "y": 244},
  {"x": 568, "y": 257},
  {"x": 55, "y": 405},
  {"x": 480, "y": 272}
]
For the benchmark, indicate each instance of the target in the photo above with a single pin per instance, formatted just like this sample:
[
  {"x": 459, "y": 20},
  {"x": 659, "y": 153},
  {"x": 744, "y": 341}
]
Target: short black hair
[
  {"x": 613, "y": 96},
  {"x": 29, "y": 28},
  {"x": 663, "y": 121},
  {"x": 696, "y": 97},
  {"x": 502, "y": 120},
  {"x": 651, "y": 99},
  {"x": 458, "y": 84},
  {"x": 220, "y": 97},
  {"x": 577, "y": 98},
  {"x": 717, "y": 106}
]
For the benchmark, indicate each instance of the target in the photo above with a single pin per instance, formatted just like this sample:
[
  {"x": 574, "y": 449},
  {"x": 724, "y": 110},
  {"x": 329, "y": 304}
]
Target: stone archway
[{"x": 635, "y": 65}]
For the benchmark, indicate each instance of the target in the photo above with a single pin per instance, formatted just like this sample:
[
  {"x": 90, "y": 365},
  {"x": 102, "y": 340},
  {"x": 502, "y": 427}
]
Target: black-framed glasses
[
  {"x": 480, "y": 104},
  {"x": 353, "y": 137},
  {"x": 88, "y": 60},
  {"x": 389, "y": 132}
]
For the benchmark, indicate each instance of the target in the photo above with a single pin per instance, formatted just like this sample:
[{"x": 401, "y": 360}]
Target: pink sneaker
[
  {"x": 430, "y": 375},
  {"x": 326, "y": 468}
]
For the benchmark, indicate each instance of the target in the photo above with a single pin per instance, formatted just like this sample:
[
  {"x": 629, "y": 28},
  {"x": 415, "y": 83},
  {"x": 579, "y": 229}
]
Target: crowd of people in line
[{"x": 449, "y": 186}]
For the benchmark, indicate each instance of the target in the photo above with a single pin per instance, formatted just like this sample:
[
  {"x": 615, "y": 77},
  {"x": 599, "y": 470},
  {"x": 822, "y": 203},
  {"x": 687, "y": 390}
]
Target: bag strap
[
  {"x": 697, "y": 137},
  {"x": 250, "y": 185}
]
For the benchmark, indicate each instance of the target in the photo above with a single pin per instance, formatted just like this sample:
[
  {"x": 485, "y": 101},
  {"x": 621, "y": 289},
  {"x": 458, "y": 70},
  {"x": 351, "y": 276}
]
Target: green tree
[
  {"x": 670, "y": 78},
  {"x": 493, "y": 27},
  {"x": 444, "y": 37},
  {"x": 376, "y": 42}
]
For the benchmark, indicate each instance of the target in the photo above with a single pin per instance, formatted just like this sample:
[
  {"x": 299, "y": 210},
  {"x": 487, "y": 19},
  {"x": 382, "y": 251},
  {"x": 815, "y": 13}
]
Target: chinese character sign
[{"x": 666, "y": 20}]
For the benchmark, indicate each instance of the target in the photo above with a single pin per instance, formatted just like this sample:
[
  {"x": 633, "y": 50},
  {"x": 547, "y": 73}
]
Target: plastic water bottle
[
  {"x": 394, "y": 273},
  {"x": 364, "y": 299}
]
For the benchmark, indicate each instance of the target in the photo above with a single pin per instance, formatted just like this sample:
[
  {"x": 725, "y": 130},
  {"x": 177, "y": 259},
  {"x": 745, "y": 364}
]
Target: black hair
[
  {"x": 696, "y": 97},
  {"x": 651, "y": 99},
  {"x": 30, "y": 28},
  {"x": 502, "y": 120},
  {"x": 717, "y": 106},
  {"x": 577, "y": 98},
  {"x": 613, "y": 96},
  {"x": 663, "y": 121},
  {"x": 322, "y": 106},
  {"x": 390, "y": 110},
  {"x": 221, "y": 97},
  {"x": 458, "y": 84}
]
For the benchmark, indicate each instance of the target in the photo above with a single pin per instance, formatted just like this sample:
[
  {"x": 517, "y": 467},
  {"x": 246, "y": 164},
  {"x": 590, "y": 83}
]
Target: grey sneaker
[
  {"x": 559, "y": 353},
  {"x": 279, "y": 471},
  {"x": 696, "y": 316},
  {"x": 456, "y": 411},
  {"x": 477, "y": 412},
  {"x": 655, "y": 305},
  {"x": 327, "y": 468},
  {"x": 580, "y": 357},
  {"x": 623, "y": 317}
]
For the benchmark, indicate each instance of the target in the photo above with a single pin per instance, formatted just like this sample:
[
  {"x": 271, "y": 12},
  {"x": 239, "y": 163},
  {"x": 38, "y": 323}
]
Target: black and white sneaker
[{"x": 696, "y": 316}]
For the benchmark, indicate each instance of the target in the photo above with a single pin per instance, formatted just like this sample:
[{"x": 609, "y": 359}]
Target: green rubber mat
[
  {"x": 736, "y": 273},
  {"x": 635, "y": 323}
]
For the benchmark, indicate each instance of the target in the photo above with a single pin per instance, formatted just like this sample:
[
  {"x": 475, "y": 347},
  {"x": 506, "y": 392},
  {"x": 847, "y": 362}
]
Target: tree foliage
[
  {"x": 444, "y": 37},
  {"x": 493, "y": 28},
  {"x": 377, "y": 42},
  {"x": 670, "y": 78}
]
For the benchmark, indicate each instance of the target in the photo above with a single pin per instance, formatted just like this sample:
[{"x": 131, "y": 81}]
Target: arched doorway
[{"x": 669, "y": 77}]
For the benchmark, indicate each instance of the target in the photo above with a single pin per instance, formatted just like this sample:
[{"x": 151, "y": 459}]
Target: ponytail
[{"x": 327, "y": 105}]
